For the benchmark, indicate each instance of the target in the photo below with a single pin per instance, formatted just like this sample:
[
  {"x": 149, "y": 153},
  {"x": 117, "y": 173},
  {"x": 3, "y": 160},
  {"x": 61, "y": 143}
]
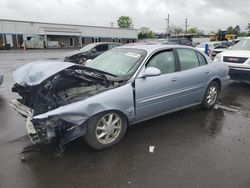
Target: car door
[
  {"x": 156, "y": 95},
  {"x": 194, "y": 73}
]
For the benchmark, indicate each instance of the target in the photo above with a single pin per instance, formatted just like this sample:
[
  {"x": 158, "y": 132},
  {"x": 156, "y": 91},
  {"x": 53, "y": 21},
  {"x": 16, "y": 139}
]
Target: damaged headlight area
[
  {"x": 59, "y": 130},
  {"x": 46, "y": 92}
]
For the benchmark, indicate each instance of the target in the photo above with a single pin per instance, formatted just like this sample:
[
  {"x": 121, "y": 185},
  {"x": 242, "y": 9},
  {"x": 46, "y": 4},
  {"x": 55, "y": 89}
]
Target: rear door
[{"x": 194, "y": 75}]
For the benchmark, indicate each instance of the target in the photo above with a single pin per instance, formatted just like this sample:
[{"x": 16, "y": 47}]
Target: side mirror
[{"x": 151, "y": 71}]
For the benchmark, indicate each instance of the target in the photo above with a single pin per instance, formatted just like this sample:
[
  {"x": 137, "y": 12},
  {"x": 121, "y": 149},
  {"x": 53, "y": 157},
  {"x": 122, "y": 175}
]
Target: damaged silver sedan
[{"x": 62, "y": 101}]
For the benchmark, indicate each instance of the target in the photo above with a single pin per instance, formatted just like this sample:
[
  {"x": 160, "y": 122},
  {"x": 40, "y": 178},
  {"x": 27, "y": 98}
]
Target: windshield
[
  {"x": 121, "y": 62},
  {"x": 242, "y": 45},
  {"x": 88, "y": 47}
]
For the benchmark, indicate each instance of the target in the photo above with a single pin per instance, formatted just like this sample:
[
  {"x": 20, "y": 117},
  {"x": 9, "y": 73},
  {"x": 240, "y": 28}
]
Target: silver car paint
[
  {"x": 150, "y": 99},
  {"x": 35, "y": 73},
  {"x": 120, "y": 98}
]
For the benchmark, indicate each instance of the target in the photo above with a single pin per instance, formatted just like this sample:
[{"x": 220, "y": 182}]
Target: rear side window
[
  {"x": 164, "y": 61},
  {"x": 202, "y": 59},
  {"x": 188, "y": 59}
]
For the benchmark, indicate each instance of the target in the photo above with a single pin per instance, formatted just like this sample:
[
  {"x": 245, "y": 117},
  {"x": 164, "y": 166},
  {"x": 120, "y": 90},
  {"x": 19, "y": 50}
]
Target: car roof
[
  {"x": 97, "y": 43},
  {"x": 149, "y": 48}
]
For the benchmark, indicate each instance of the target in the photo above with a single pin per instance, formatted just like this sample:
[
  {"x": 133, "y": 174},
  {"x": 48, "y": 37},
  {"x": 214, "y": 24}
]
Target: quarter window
[
  {"x": 188, "y": 59},
  {"x": 163, "y": 61},
  {"x": 202, "y": 59}
]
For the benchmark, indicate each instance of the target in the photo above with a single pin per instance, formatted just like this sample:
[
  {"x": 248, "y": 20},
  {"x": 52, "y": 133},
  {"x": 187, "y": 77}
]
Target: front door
[{"x": 156, "y": 95}]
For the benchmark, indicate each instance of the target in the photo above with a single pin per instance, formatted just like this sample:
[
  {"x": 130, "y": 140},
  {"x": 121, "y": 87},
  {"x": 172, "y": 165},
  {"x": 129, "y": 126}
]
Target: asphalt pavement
[{"x": 192, "y": 147}]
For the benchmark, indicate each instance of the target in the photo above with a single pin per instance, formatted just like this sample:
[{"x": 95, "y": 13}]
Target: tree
[
  {"x": 125, "y": 22},
  {"x": 230, "y": 30},
  {"x": 146, "y": 33},
  {"x": 195, "y": 30},
  {"x": 175, "y": 29},
  {"x": 237, "y": 30},
  {"x": 248, "y": 29}
]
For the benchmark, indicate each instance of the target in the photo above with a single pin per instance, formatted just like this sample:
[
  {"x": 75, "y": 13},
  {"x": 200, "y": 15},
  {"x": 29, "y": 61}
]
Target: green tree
[
  {"x": 125, "y": 22},
  {"x": 230, "y": 30},
  {"x": 248, "y": 29},
  {"x": 237, "y": 30},
  {"x": 195, "y": 30},
  {"x": 175, "y": 29},
  {"x": 146, "y": 33}
]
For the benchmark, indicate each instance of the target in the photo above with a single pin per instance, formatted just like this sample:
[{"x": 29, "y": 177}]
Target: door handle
[{"x": 207, "y": 72}]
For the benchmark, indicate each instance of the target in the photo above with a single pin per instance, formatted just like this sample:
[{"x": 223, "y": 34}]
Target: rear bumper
[{"x": 238, "y": 73}]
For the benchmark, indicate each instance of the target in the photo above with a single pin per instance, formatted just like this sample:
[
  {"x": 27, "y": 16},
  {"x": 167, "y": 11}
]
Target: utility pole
[
  {"x": 186, "y": 25},
  {"x": 167, "y": 19}
]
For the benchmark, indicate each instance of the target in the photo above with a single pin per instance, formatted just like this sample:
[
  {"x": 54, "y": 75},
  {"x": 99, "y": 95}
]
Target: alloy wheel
[{"x": 108, "y": 128}]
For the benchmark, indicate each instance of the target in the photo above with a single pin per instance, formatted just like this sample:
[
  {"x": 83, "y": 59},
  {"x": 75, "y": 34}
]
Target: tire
[
  {"x": 211, "y": 95},
  {"x": 105, "y": 129}
]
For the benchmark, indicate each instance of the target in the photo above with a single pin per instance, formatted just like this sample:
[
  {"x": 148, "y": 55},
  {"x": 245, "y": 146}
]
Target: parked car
[
  {"x": 238, "y": 60},
  {"x": 89, "y": 51},
  {"x": 181, "y": 41},
  {"x": 218, "y": 49},
  {"x": 211, "y": 47},
  {"x": 1, "y": 77},
  {"x": 169, "y": 43},
  {"x": 126, "y": 85}
]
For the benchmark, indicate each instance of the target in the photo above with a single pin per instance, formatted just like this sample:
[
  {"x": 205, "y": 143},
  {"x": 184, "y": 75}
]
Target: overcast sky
[{"x": 205, "y": 14}]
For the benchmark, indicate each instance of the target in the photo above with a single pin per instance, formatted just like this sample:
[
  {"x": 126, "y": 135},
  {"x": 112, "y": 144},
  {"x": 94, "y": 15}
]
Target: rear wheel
[
  {"x": 105, "y": 129},
  {"x": 211, "y": 95}
]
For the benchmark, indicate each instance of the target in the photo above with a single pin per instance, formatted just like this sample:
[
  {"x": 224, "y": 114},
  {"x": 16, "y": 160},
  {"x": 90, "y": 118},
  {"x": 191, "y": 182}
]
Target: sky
[{"x": 207, "y": 15}]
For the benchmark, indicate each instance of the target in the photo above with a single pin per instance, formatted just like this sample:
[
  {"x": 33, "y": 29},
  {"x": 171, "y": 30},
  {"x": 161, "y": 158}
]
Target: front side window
[
  {"x": 188, "y": 59},
  {"x": 164, "y": 61}
]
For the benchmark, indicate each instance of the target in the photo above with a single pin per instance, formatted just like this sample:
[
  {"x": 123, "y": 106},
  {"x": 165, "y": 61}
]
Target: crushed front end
[{"x": 46, "y": 87}]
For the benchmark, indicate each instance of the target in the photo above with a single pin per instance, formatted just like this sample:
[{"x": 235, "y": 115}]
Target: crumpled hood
[{"x": 35, "y": 73}]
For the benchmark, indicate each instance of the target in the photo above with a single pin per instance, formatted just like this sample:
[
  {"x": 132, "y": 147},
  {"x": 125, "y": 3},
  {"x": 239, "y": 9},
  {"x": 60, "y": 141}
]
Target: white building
[{"x": 52, "y": 35}]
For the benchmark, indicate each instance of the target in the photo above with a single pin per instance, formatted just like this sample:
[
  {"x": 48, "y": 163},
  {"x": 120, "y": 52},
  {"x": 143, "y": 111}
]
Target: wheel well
[
  {"x": 217, "y": 80},
  {"x": 117, "y": 111}
]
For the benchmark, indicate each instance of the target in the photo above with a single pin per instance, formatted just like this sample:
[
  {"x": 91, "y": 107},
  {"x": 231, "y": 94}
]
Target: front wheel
[
  {"x": 211, "y": 95},
  {"x": 105, "y": 130}
]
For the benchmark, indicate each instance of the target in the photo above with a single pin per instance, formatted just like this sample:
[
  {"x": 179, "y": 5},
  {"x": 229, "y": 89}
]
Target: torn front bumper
[
  {"x": 64, "y": 128},
  {"x": 28, "y": 113}
]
